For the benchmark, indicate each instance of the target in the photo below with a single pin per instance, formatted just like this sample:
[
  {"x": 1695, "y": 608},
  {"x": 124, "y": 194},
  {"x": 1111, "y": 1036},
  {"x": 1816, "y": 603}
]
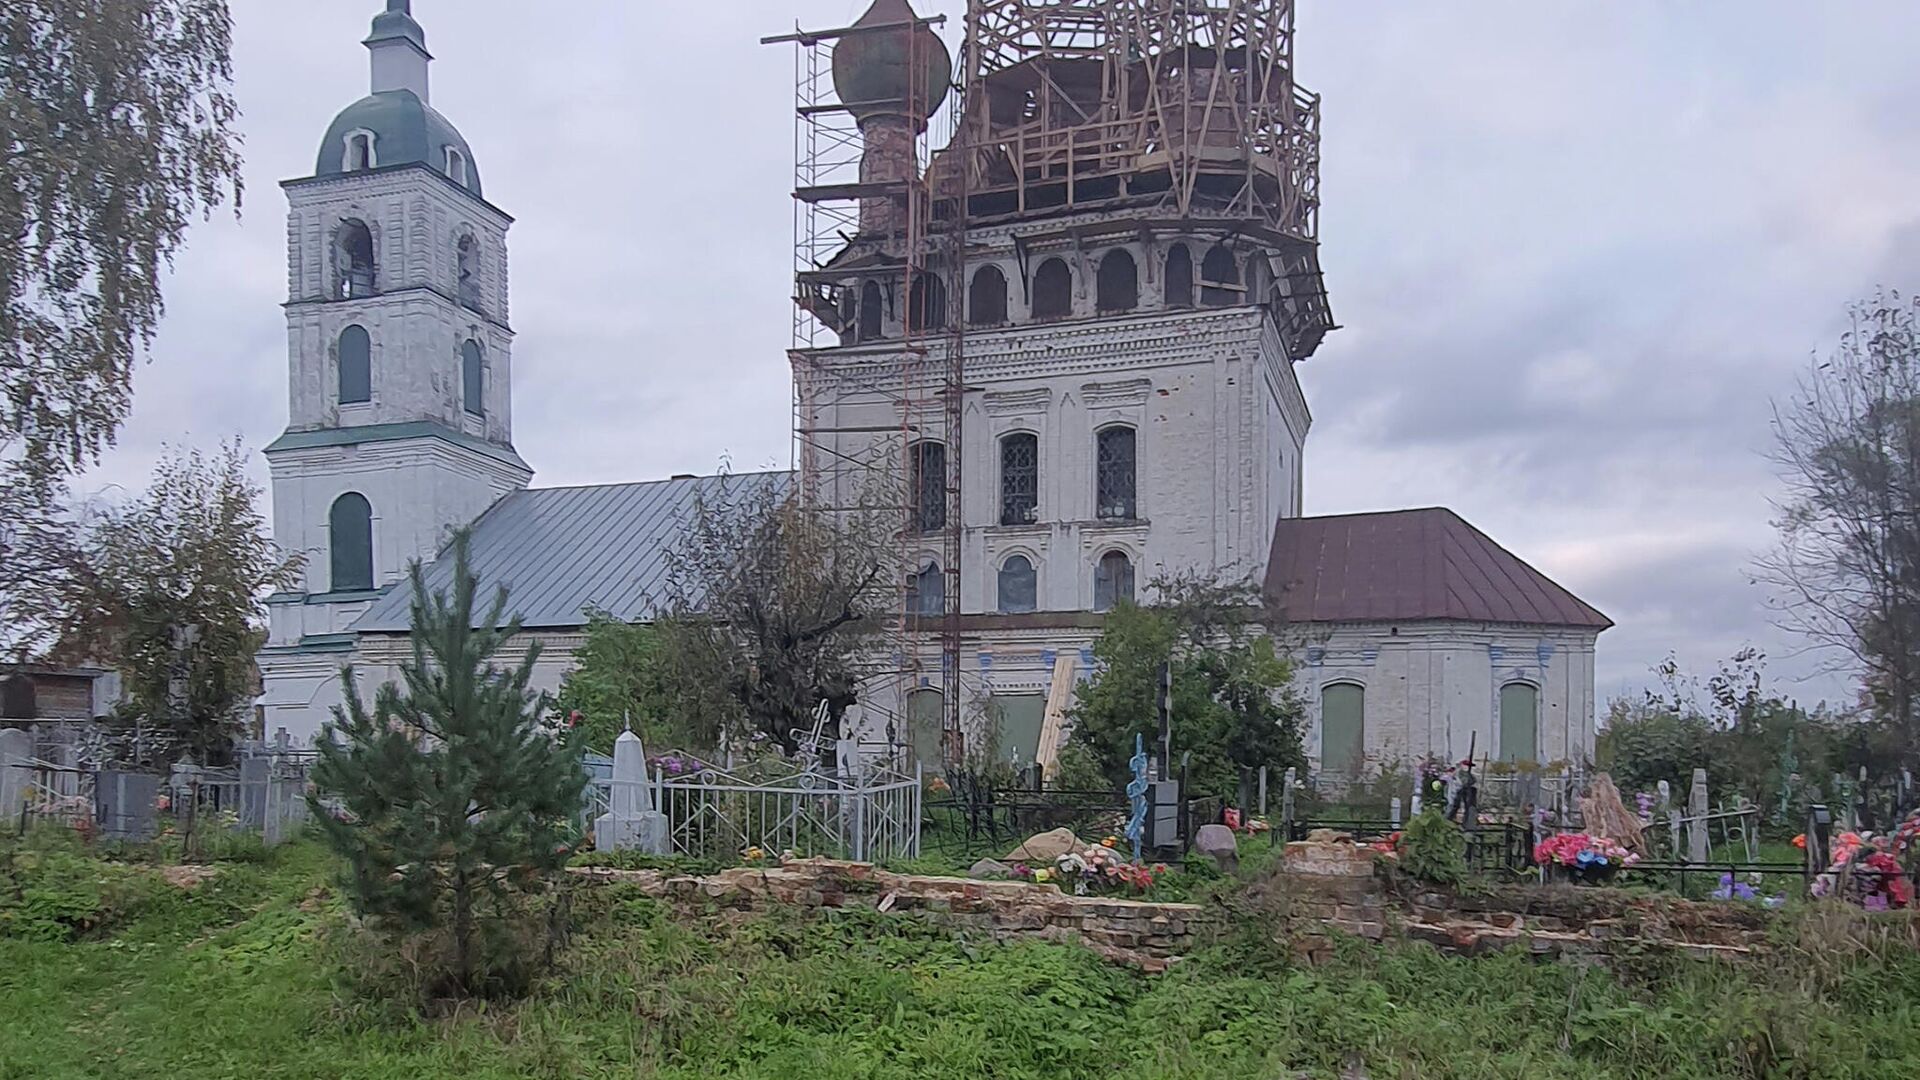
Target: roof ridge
[
  {"x": 663, "y": 480},
  {"x": 1370, "y": 514}
]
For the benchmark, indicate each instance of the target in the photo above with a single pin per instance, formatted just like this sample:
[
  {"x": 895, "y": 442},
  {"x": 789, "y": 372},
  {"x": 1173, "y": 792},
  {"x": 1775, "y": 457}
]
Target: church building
[{"x": 1070, "y": 333}]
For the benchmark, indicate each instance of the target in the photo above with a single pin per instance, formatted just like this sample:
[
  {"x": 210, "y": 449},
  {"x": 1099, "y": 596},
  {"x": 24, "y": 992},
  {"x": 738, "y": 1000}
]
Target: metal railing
[{"x": 871, "y": 814}]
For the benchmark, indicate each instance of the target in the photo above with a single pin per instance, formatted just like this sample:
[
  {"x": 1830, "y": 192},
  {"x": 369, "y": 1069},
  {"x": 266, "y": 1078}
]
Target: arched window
[
  {"x": 467, "y": 272},
  {"x": 356, "y": 366},
  {"x": 872, "y": 315},
  {"x": 1220, "y": 279},
  {"x": 926, "y": 723},
  {"x": 1519, "y": 722},
  {"x": 17, "y": 700},
  {"x": 350, "y": 541},
  {"x": 1019, "y": 585},
  {"x": 1179, "y": 277},
  {"x": 473, "y": 389},
  {"x": 359, "y": 151},
  {"x": 1112, "y": 581},
  {"x": 1115, "y": 490},
  {"x": 353, "y": 260},
  {"x": 1053, "y": 290},
  {"x": 929, "y": 595},
  {"x": 927, "y": 305},
  {"x": 1343, "y": 730},
  {"x": 1119, "y": 281},
  {"x": 929, "y": 461},
  {"x": 1020, "y": 478},
  {"x": 987, "y": 300},
  {"x": 457, "y": 166}
]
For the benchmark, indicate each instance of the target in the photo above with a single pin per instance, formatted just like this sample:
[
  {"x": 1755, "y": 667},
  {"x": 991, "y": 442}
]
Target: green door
[
  {"x": 1519, "y": 722},
  {"x": 926, "y": 719},
  {"x": 1018, "y": 720},
  {"x": 1343, "y": 730}
]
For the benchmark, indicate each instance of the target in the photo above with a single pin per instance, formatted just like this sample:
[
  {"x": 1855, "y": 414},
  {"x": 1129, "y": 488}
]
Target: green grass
[{"x": 238, "y": 979}]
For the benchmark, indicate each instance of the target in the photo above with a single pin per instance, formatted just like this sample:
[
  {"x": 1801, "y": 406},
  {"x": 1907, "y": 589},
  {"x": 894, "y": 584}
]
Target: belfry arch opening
[
  {"x": 1053, "y": 290},
  {"x": 1119, "y": 282},
  {"x": 354, "y": 267}
]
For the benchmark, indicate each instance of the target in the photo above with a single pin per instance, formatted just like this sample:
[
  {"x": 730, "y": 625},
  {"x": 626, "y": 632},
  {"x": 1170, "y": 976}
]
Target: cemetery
[
  {"x": 1030, "y": 710},
  {"x": 1266, "y": 945}
]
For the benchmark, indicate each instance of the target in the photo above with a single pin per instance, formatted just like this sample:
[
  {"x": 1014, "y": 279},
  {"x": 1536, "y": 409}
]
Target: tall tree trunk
[{"x": 463, "y": 929}]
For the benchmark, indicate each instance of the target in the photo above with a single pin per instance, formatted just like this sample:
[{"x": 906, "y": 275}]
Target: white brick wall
[
  {"x": 419, "y": 488},
  {"x": 1434, "y": 688},
  {"x": 1220, "y": 418}
]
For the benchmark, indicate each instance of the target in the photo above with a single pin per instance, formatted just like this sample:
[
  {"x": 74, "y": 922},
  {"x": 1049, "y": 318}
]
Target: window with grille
[
  {"x": 1114, "y": 481},
  {"x": 1112, "y": 581},
  {"x": 929, "y": 486},
  {"x": 1020, "y": 479},
  {"x": 1019, "y": 586}
]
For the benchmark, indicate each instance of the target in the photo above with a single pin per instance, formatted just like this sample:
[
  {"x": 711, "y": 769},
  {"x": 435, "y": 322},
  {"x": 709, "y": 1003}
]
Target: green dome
[
  {"x": 871, "y": 71},
  {"x": 405, "y": 130}
]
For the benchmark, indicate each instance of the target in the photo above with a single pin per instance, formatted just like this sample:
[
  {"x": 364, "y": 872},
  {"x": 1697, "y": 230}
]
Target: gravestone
[
  {"x": 16, "y": 747},
  {"x": 127, "y": 802},
  {"x": 1287, "y": 787},
  {"x": 1697, "y": 818},
  {"x": 631, "y": 823}
]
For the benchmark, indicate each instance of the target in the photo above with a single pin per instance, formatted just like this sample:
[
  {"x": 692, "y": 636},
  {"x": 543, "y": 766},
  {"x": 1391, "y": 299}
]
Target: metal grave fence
[
  {"x": 262, "y": 794},
  {"x": 868, "y": 813}
]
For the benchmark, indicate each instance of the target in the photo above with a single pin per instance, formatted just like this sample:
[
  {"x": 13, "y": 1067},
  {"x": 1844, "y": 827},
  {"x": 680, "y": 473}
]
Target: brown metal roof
[{"x": 1410, "y": 565}]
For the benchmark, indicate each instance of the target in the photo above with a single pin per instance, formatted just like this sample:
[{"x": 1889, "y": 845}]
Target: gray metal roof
[
  {"x": 564, "y": 551},
  {"x": 406, "y": 131}
]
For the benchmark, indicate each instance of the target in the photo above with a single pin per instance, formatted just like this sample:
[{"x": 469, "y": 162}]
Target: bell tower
[{"x": 399, "y": 365}]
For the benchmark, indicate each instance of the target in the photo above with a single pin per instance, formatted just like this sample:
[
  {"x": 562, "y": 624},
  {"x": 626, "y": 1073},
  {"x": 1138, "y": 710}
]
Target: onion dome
[{"x": 876, "y": 72}]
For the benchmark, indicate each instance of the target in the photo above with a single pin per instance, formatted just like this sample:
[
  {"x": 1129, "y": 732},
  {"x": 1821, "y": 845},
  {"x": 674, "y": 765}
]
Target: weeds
[{"x": 247, "y": 976}]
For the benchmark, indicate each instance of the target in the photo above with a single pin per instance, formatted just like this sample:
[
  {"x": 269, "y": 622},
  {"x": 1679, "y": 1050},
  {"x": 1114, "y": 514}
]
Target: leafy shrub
[
  {"x": 52, "y": 890},
  {"x": 1078, "y": 770},
  {"x": 1434, "y": 849}
]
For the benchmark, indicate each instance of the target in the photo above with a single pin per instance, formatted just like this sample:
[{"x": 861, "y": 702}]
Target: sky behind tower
[{"x": 1576, "y": 251}]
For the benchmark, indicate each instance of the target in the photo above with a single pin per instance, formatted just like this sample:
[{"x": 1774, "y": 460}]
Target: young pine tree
[{"x": 455, "y": 804}]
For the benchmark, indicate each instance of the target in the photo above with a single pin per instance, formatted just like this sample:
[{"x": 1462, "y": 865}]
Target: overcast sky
[{"x": 1575, "y": 250}]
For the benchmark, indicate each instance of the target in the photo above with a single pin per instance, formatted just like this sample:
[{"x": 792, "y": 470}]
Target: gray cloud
[{"x": 1576, "y": 250}]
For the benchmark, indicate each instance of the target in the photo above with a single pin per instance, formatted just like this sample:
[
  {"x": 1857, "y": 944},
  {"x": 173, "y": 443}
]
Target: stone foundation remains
[
  {"x": 1324, "y": 887},
  {"x": 1147, "y": 936}
]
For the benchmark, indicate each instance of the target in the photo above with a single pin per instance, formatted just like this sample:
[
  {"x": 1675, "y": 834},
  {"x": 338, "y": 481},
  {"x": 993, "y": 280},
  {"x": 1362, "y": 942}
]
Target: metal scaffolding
[
  {"x": 919, "y": 373},
  {"x": 1068, "y": 121}
]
